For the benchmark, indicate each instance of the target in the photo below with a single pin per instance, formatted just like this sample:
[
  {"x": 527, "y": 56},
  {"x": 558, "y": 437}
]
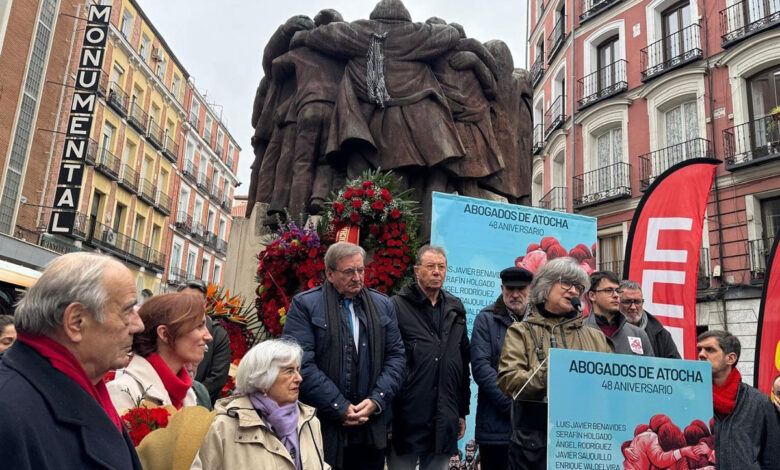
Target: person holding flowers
[{"x": 174, "y": 334}]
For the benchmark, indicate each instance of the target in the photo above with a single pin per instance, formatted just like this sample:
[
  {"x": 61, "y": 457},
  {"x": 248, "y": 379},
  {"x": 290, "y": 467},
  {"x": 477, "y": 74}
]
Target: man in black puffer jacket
[{"x": 430, "y": 409}]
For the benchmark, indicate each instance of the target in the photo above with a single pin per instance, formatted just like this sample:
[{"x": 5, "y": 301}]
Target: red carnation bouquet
[{"x": 140, "y": 421}]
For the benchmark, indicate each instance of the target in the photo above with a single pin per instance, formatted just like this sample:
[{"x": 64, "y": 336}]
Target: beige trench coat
[{"x": 239, "y": 439}]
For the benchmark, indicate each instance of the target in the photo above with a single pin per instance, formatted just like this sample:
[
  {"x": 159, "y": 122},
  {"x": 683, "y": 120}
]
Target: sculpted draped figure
[{"x": 443, "y": 111}]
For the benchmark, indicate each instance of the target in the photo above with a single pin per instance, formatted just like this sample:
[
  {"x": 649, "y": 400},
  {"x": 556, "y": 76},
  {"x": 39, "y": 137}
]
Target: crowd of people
[{"x": 358, "y": 381}]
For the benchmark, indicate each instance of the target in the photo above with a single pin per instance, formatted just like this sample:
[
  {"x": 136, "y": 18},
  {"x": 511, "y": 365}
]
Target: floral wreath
[{"x": 384, "y": 216}]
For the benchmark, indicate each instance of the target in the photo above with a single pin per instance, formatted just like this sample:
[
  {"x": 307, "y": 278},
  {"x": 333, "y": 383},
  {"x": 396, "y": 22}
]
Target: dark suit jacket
[
  {"x": 214, "y": 368},
  {"x": 49, "y": 422}
]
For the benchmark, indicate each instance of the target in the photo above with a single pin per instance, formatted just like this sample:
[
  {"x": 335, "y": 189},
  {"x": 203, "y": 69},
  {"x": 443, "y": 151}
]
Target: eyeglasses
[
  {"x": 630, "y": 302},
  {"x": 567, "y": 285},
  {"x": 432, "y": 266},
  {"x": 610, "y": 291},
  {"x": 351, "y": 271}
]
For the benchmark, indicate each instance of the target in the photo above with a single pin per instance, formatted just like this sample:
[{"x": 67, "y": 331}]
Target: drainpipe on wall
[
  {"x": 723, "y": 289},
  {"x": 571, "y": 100}
]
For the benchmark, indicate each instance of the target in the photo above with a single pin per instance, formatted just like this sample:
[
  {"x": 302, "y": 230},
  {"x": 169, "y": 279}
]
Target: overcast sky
[{"x": 221, "y": 43}]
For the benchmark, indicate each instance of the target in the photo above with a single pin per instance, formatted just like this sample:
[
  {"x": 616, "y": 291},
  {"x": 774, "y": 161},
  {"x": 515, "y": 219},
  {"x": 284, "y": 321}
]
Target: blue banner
[
  {"x": 610, "y": 411},
  {"x": 484, "y": 237}
]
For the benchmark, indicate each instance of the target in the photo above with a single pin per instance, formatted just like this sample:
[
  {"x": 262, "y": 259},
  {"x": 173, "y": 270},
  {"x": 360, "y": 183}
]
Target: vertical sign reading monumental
[
  {"x": 483, "y": 237},
  {"x": 82, "y": 109}
]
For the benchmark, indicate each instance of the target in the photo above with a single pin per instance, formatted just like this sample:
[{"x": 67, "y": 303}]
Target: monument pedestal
[{"x": 246, "y": 242}]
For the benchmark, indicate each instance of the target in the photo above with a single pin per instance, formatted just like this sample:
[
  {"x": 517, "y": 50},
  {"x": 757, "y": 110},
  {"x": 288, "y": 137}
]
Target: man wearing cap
[{"x": 493, "y": 427}]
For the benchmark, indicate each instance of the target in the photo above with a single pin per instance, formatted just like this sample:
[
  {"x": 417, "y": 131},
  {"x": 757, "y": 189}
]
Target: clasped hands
[{"x": 359, "y": 414}]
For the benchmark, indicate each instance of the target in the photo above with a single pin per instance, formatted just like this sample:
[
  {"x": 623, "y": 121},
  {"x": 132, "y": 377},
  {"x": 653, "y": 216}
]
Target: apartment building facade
[
  {"x": 124, "y": 199},
  {"x": 624, "y": 89},
  {"x": 204, "y": 198}
]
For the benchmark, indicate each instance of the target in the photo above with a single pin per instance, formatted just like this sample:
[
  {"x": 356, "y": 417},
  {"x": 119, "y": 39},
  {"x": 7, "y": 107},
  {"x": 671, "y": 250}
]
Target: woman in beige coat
[{"x": 264, "y": 425}]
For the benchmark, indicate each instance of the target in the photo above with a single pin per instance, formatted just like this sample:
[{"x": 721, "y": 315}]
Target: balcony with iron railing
[
  {"x": 163, "y": 202},
  {"x": 128, "y": 178},
  {"x": 126, "y": 247},
  {"x": 170, "y": 149},
  {"x": 746, "y": 18},
  {"x": 91, "y": 154},
  {"x": 615, "y": 266},
  {"x": 537, "y": 69},
  {"x": 210, "y": 239},
  {"x": 602, "y": 185},
  {"x": 652, "y": 164},
  {"x": 176, "y": 276},
  {"x": 225, "y": 202},
  {"x": 591, "y": 8},
  {"x": 538, "y": 139},
  {"x": 671, "y": 52},
  {"x": 556, "y": 38},
  {"x": 204, "y": 182},
  {"x": 758, "y": 252},
  {"x": 157, "y": 260},
  {"x": 147, "y": 190},
  {"x": 194, "y": 122},
  {"x": 554, "y": 200},
  {"x": 752, "y": 143},
  {"x": 555, "y": 115},
  {"x": 117, "y": 99},
  {"x": 219, "y": 148},
  {"x": 108, "y": 164},
  {"x": 216, "y": 192},
  {"x": 198, "y": 230},
  {"x": 137, "y": 118},
  {"x": 603, "y": 83},
  {"x": 183, "y": 222},
  {"x": 155, "y": 135},
  {"x": 221, "y": 246},
  {"x": 189, "y": 172}
]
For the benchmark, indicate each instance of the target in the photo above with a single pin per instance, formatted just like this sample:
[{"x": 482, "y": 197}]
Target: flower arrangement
[
  {"x": 294, "y": 260},
  {"x": 140, "y": 421},
  {"x": 388, "y": 226},
  {"x": 291, "y": 263},
  {"x": 230, "y": 313}
]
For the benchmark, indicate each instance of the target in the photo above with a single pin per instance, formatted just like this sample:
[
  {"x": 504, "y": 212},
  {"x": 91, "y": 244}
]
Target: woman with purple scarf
[{"x": 264, "y": 425}]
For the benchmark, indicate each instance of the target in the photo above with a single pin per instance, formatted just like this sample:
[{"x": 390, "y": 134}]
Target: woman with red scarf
[{"x": 174, "y": 334}]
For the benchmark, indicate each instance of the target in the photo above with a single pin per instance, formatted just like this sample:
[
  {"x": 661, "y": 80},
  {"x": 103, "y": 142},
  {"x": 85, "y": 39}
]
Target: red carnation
[
  {"x": 356, "y": 203},
  {"x": 373, "y": 229},
  {"x": 354, "y": 217},
  {"x": 405, "y": 237},
  {"x": 338, "y": 207},
  {"x": 402, "y": 226},
  {"x": 348, "y": 193},
  {"x": 386, "y": 195},
  {"x": 368, "y": 184},
  {"x": 377, "y": 205},
  {"x": 370, "y": 192},
  {"x": 359, "y": 192},
  {"x": 395, "y": 213}
]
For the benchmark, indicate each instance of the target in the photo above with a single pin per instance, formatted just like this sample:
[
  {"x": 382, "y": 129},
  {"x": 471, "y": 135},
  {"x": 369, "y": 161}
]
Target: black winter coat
[
  {"x": 435, "y": 391},
  {"x": 214, "y": 368},
  {"x": 493, "y": 424},
  {"x": 663, "y": 344},
  {"x": 47, "y": 421}
]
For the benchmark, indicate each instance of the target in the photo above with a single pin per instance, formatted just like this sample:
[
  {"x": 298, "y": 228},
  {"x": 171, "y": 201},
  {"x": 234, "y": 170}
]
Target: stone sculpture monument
[{"x": 443, "y": 111}]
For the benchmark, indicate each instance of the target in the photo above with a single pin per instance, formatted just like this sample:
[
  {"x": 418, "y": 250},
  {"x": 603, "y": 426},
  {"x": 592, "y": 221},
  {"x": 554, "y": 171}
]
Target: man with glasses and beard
[
  {"x": 623, "y": 337},
  {"x": 429, "y": 413},
  {"x": 631, "y": 303},
  {"x": 554, "y": 321},
  {"x": 353, "y": 359}
]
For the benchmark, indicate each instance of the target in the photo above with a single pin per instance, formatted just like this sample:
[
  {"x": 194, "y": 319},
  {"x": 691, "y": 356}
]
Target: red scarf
[
  {"x": 65, "y": 362},
  {"x": 176, "y": 385},
  {"x": 724, "y": 397}
]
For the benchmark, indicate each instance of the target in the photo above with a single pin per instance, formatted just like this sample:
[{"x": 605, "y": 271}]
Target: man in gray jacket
[
  {"x": 631, "y": 302},
  {"x": 746, "y": 429},
  {"x": 623, "y": 337}
]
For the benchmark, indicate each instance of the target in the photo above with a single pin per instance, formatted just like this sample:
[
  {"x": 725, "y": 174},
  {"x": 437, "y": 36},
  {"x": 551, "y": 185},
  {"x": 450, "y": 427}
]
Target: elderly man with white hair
[
  {"x": 74, "y": 325},
  {"x": 264, "y": 425}
]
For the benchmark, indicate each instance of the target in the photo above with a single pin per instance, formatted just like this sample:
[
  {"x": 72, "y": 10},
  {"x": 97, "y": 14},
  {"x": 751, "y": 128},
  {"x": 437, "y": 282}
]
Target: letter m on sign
[{"x": 662, "y": 250}]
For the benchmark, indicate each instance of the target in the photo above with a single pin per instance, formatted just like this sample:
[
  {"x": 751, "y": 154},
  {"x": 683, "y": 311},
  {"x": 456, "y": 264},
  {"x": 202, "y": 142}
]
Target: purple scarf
[{"x": 283, "y": 420}]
